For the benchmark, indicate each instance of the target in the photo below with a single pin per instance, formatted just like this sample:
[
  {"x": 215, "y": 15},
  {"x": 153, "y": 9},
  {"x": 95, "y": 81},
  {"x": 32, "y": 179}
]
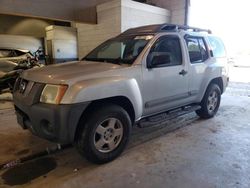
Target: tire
[
  {"x": 210, "y": 102},
  {"x": 105, "y": 134}
]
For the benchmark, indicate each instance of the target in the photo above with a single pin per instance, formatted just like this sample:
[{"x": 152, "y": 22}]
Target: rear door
[{"x": 198, "y": 56}]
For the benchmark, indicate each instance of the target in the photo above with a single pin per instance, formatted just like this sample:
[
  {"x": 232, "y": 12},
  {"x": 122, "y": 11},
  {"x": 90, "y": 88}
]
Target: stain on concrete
[
  {"x": 237, "y": 166},
  {"x": 29, "y": 171},
  {"x": 212, "y": 144},
  {"x": 182, "y": 134},
  {"x": 213, "y": 130},
  {"x": 231, "y": 111},
  {"x": 147, "y": 156}
]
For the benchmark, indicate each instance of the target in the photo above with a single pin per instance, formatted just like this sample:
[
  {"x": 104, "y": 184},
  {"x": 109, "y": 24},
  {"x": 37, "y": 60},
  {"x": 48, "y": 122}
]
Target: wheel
[
  {"x": 210, "y": 102},
  {"x": 105, "y": 134}
]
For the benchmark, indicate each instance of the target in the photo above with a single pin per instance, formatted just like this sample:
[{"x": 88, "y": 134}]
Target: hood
[{"x": 69, "y": 72}]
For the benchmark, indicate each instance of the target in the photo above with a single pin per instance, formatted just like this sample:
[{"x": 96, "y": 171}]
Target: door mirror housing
[{"x": 158, "y": 59}]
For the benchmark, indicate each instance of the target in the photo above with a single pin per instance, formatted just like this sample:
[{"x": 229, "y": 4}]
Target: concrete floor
[
  {"x": 185, "y": 152},
  {"x": 239, "y": 74}
]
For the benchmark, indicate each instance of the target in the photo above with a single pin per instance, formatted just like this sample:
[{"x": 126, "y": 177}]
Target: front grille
[
  {"x": 17, "y": 83},
  {"x": 23, "y": 86},
  {"x": 28, "y": 95}
]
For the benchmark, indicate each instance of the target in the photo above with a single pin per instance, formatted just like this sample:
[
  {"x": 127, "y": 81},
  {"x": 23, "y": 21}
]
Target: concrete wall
[
  {"x": 109, "y": 25},
  {"x": 114, "y": 17},
  {"x": 77, "y": 10},
  {"x": 63, "y": 43},
  {"x": 177, "y": 8},
  {"x": 22, "y": 42},
  {"x": 178, "y": 11},
  {"x": 136, "y": 14},
  {"x": 14, "y": 25}
]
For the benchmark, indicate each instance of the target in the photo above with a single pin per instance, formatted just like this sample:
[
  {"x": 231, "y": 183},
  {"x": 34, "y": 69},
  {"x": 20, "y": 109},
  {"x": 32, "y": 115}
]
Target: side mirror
[{"x": 157, "y": 59}]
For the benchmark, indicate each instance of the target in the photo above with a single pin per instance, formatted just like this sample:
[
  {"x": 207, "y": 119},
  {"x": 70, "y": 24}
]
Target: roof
[{"x": 157, "y": 28}]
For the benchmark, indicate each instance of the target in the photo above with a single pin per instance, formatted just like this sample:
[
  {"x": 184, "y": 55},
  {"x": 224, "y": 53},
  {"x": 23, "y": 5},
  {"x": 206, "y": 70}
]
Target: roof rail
[
  {"x": 152, "y": 29},
  {"x": 173, "y": 27}
]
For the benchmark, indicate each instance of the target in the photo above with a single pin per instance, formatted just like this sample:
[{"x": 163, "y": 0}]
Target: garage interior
[{"x": 184, "y": 152}]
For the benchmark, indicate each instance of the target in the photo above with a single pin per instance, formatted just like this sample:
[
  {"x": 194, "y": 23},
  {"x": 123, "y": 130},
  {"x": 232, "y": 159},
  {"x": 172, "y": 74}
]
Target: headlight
[{"x": 53, "y": 94}]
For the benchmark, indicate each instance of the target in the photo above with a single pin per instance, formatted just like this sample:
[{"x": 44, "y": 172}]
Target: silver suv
[{"x": 142, "y": 77}]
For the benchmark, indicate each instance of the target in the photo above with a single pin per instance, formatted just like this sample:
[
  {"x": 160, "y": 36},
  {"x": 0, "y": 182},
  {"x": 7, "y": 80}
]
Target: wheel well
[
  {"x": 124, "y": 102},
  {"x": 219, "y": 82}
]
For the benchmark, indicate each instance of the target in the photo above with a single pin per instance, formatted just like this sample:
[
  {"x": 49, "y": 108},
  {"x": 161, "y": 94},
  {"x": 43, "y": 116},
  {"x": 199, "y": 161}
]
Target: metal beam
[{"x": 61, "y": 10}]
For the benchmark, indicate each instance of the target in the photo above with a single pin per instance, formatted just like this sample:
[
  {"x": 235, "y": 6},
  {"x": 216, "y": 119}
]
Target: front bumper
[{"x": 57, "y": 123}]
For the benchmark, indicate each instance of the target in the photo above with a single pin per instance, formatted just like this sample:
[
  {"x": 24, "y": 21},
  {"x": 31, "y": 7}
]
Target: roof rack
[
  {"x": 173, "y": 27},
  {"x": 152, "y": 29}
]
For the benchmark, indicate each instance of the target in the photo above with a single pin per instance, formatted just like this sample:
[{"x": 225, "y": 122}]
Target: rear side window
[
  {"x": 217, "y": 46},
  {"x": 198, "y": 52}
]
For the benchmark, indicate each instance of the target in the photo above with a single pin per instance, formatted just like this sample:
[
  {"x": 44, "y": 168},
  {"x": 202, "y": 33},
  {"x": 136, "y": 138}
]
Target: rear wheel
[
  {"x": 210, "y": 102},
  {"x": 105, "y": 134}
]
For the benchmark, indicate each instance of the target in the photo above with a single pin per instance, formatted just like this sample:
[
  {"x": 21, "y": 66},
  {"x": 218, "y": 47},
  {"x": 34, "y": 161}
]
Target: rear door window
[{"x": 197, "y": 49}]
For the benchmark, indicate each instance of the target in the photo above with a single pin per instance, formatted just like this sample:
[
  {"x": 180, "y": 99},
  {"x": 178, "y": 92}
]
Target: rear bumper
[{"x": 56, "y": 123}]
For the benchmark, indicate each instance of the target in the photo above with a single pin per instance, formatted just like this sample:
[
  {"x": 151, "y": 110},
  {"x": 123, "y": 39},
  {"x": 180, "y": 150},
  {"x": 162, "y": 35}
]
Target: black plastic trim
[{"x": 63, "y": 119}]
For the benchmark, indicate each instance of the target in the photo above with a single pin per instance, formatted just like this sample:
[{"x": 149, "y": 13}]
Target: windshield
[{"x": 120, "y": 50}]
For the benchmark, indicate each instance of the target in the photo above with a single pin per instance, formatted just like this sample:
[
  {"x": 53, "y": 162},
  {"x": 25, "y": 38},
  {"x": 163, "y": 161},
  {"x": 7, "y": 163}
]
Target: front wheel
[
  {"x": 210, "y": 102},
  {"x": 105, "y": 134}
]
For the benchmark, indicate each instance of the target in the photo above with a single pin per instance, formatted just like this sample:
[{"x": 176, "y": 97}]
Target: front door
[{"x": 165, "y": 76}]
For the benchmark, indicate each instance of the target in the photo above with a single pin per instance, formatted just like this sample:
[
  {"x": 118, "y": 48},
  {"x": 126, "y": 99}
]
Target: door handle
[{"x": 183, "y": 72}]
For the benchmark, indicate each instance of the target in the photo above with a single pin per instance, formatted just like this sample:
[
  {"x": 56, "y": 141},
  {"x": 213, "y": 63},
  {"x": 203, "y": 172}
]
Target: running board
[{"x": 166, "y": 116}]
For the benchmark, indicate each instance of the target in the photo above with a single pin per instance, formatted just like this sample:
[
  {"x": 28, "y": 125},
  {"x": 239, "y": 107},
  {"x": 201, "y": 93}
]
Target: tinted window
[
  {"x": 217, "y": 46},
  {"x": 166, "y": 51},
  {"x": 197, "y": 49},
  {"x": 122, "y": 49}
]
